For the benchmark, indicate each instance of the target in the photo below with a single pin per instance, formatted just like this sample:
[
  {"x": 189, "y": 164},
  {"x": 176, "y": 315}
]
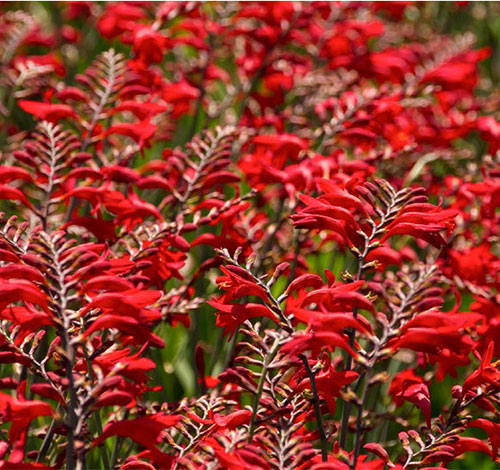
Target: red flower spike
[{"x": 347, "y": 122}]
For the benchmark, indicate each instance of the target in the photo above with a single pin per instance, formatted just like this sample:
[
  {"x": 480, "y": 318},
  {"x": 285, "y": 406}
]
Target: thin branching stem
[
  {"x": 260, "y": 388},
  {"x": 317, "y": 408},
  {"x": 377, "y": 229},
  {"x": 374, "y": 357}
]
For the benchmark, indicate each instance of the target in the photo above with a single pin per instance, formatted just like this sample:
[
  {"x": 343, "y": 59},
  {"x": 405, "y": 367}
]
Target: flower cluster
[{"x": 257, "y": 235}]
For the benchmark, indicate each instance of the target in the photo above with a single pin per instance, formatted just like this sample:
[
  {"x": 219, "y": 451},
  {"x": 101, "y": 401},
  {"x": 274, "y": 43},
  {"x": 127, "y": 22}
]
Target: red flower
[
  {"x": 180, "y": 95},
  {"x": 460, "y": 72},
  {"x": 14, "y": 291},
  {"x": 473, "y": 264},
  {"x": 490, "y": 132},
  {"x": 141, "y": 110},
  {"x": 341, "y": 212},
  {"x": 20, "y": 413},
  {"x": 71, "y": 93},
  {"x": 130, "y": 210},
  {"x": 46, "y": 111},
  {"x": 338, "y": 298},
  {"x": 230, "y": 421},
  {"x": 280, "y": 146},
  {"x": 485, "y": 375},
  {"x": 149, "y": 45},
  {"x": 118, "y": 18},
  {"x": 329, "y": 382},
  {"x": 236, "y": 460},
  {"x": 238, "y": 283},
  {"x": 14, "y": 194},
  {"x": 433, "y": 340},
  {"x": 126, "y": 312},
  {"x": 406, "y": 386},
  {"x": 315, "y": 342},
  {"x": 230, "y": 316},
  {"x": 433, "y": 331},
  {"x": 140, "y": 132},
  {"x": 304, "y": 281},
  {"x": 466, "y": 444},
  {"x": 423, "y": 221},
  {"x": 28, "y": 320},
  {"x": 146, "y": 431},
  {"x": 12, "y": 173},
  {"x": 493, "y": 430},
  {"x": 102, "y": 229},
  {"x": 133, "y": 367}
]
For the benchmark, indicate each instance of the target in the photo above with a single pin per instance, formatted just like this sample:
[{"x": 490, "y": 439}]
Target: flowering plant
[{"x": 246, "y": 236}]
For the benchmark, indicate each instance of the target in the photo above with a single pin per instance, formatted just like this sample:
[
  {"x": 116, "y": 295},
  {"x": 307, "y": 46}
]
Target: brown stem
[
  {"x": 377, "y": 228},
  {"x": 359, "y": 417},
  {"x": 69, "y": 359},
  {"x": 317, "y": 408},
  {"x": 260, "y": 388},
  {"x": 47, "y": 439},
  {"x": 371, "y": 367},
  {"x": 71, "y": 406}
]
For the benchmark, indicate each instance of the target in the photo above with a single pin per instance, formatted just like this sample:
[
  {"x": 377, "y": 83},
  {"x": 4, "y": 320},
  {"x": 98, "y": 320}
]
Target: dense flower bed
[{"x": 248, "y": 236}]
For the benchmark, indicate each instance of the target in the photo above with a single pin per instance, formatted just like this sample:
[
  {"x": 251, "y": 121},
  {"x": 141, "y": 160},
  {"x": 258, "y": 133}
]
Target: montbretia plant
[{"x": 246, "y": 236}]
